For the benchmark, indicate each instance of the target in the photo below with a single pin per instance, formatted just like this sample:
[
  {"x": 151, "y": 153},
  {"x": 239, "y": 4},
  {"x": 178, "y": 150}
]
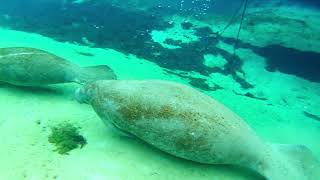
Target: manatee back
[
  {"x": 29, "y": 66},
  {"x": 176, "y": 119}
]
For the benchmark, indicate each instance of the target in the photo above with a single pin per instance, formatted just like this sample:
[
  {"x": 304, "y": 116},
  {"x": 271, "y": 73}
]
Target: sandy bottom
[{"x": 25, "y": 152}]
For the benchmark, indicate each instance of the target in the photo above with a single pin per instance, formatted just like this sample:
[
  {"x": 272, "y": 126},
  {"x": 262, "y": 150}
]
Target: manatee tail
[
  {"x": 302, "y": 159},
  {"x": 294, "y": 162},
  {"x": 94, "y": 73}
]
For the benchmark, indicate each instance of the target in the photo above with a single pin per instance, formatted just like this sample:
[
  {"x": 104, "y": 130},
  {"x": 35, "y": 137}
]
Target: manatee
[
  {"x": 34, "y": 67},
  {"x": 186, "y": 123}
]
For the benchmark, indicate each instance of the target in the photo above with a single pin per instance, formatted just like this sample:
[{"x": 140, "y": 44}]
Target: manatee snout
[
  {"x": 81, "y": 95},
  {"x": 85, "y": 93}
]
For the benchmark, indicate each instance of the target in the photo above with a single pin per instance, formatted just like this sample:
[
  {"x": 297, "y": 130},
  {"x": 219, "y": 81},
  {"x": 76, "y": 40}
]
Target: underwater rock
[
  {"x": 34, "y": 67},
  {"x": 189, "y": 124}
]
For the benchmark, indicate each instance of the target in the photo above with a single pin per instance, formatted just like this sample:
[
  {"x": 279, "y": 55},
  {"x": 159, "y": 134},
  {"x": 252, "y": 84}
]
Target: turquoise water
[{"x": 271, "y": 79}]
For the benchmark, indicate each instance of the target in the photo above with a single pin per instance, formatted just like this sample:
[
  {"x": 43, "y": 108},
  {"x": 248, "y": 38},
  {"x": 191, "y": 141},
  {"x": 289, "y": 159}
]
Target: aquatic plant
[{"x": 66, "y": 137}]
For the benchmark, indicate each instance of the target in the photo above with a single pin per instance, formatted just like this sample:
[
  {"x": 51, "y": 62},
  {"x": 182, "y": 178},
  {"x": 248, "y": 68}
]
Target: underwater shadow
[
  {"x": 41, "y": 90},
  {"x": 141, "y": 146},
  {"x": 305, "y": 64}
]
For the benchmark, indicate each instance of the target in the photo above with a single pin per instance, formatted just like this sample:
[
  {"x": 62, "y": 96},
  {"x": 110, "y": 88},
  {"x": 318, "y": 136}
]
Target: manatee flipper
[
  {"x": 94, "y": 73},
  {"x": 281, "y": 161},
  {"x": 302, "y": 159}
]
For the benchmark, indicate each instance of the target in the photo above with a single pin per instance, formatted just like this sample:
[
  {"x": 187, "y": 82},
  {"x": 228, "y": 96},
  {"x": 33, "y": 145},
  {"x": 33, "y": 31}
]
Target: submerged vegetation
[{"x": 66, "y": 137}]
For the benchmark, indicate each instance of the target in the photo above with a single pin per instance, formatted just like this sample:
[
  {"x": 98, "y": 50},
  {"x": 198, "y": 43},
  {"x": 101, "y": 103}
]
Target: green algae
[{"x": 66, "y": 137}]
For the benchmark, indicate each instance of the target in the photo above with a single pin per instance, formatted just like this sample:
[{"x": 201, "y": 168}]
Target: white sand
[
  {"x": 213, "y": 61},
  {"x": 25, "y": 152}
]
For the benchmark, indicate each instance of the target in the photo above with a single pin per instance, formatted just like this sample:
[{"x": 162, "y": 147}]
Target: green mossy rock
[{"x": 66, "y": 137}]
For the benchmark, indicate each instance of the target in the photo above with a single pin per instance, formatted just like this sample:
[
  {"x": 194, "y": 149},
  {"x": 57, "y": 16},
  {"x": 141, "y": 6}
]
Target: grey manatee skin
[
  {"x": 34, "y": 67},
  {"x": 188, "y": 124}
]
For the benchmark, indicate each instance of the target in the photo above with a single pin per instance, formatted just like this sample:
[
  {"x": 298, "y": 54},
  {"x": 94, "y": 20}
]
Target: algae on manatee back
[{"x": 66, "y": 137}]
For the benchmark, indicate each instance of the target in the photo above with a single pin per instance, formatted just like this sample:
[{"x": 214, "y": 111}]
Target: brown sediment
[
  {"x": 135, "y": 111},
  {"x": 189, "y": 142}
]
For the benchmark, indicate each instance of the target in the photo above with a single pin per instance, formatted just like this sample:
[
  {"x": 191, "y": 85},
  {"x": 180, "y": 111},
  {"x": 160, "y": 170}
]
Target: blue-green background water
[{"x": 272, "y": 81}]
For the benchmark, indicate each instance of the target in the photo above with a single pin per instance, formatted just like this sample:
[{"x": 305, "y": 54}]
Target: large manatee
[
  {"x": 34, "y": 67},
  {"x": 189, "y": 124}
]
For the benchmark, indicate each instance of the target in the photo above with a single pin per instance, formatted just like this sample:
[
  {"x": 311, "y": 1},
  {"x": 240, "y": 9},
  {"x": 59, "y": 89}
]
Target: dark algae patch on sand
[{"x": 66, "y": 137}]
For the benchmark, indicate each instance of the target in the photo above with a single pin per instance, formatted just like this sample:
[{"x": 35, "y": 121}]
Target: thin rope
[
  {"x": 240, "y": 26},
  {"x": 232, "y": 19}
]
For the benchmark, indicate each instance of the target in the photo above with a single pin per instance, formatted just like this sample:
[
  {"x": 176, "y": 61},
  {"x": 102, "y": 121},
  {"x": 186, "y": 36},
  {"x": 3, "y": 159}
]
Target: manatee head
[{"x": 85, "y": 93}]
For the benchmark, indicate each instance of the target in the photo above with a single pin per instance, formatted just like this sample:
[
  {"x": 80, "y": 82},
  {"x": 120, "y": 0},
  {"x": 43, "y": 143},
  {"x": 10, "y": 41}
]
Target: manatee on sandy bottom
[
  {"x": 34, "y": 67},
  {"x": 189, "y": 124}
]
